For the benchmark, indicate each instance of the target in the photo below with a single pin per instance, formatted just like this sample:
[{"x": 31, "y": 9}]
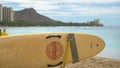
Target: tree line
[{"x": 95, "y": 22}]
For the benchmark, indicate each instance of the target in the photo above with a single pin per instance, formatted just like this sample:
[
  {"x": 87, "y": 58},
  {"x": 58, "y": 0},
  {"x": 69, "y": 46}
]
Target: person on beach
[
  {"x": 4, "y": 33},
  {"x": 0, "y": 33}
]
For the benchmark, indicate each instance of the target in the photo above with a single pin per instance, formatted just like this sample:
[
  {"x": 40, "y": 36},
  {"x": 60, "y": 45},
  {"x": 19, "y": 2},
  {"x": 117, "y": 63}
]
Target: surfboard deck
[{"x": 41, "y": 50}]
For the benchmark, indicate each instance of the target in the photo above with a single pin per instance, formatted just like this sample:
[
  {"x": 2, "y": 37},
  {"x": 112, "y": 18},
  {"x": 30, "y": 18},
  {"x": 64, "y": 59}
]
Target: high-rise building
[
  {"x": 1, "y": 12},
  {"x": 6, "y": 14},
  {"x": 12, "y": 16}
]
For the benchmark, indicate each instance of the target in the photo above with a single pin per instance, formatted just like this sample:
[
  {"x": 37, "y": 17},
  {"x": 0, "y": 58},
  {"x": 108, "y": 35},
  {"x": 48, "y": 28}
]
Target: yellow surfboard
[
  {"x": 47, "y": 49},
  {"x": 4, "y": 34}
]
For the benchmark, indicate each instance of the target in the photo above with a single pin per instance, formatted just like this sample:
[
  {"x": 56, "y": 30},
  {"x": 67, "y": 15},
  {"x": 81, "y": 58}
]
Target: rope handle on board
[
  {"x": 49, "y": 65},
  {"x": 50, "y": 36}
]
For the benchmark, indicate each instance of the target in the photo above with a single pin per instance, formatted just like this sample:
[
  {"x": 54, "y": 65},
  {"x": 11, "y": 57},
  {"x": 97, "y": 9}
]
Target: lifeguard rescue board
[{"x": 47, "y": 49}]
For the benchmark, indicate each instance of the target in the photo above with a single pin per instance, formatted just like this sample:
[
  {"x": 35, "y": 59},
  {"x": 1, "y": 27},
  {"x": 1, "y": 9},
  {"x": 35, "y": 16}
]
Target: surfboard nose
[
  {"x": 101, "y": 43},
  {"x": 98, "y": 45}
]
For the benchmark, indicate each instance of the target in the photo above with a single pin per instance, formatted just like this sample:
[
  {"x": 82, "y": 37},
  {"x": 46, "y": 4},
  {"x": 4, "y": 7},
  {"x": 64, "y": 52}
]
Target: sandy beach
[{"x": 96, "y": 62}]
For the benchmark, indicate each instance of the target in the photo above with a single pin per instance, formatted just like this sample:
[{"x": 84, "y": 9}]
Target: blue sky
[{"x": 108, "y": 11}]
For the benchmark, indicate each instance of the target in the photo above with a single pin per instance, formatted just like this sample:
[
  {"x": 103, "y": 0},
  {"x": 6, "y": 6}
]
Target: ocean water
[{"x": 111, "y": 35}]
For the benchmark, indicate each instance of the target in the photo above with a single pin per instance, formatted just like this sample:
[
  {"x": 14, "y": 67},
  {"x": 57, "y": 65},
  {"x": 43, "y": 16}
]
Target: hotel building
[
  {"x": 6, "y": 14},
  {"x": 1, "y": 12}
]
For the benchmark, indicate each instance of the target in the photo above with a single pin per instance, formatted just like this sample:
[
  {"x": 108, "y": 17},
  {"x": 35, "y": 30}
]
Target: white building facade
[
  {"x": 1, "y": 12},
  {"x": 6, "y": 14}
]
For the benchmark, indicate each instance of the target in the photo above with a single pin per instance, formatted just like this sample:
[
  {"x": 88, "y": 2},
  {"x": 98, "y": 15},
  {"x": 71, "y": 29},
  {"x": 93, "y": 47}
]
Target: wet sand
[{"x": 96, "y": 62}]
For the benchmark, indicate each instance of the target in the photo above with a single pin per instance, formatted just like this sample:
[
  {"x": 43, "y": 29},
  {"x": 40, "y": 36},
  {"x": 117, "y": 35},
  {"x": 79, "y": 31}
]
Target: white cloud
[
  {"x": 77, "y": 10},
  {"x": 49, "y": 7},
  {"x": 95, "y": 11},
  {"x": 82, "y": 1},
  {"x": 56, "y": 13},
  {"x": 16, "y": 1},
  {"x": 41, "y": 5}
]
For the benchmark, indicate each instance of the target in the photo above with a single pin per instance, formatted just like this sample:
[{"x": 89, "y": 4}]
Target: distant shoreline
[
  {"x": 95, "y": 22},
  {"x": 56, "y": 26}
]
